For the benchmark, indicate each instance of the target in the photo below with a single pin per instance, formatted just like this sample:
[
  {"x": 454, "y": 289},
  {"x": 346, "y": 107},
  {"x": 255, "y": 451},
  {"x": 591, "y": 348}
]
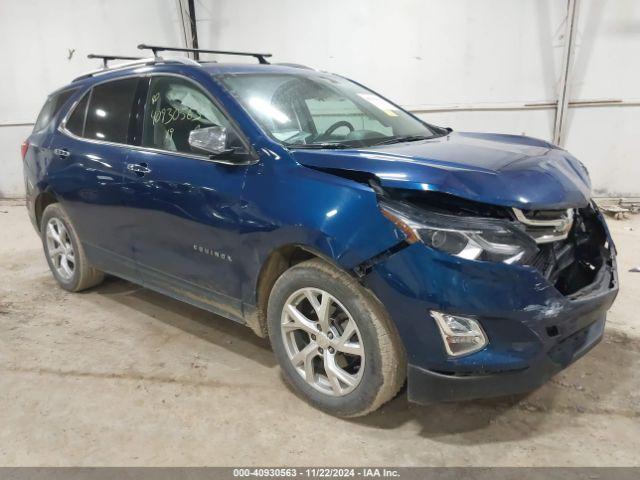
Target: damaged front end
[
  {"x": 569, "y": 247},
  {"x": 505, "y": 270},
  {"x": 573, "y": 263},
  {"x": 534, "y": 286}
]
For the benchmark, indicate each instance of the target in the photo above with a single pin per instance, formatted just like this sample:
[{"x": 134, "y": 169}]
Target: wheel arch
[
  {"x": 42, "y": 201},
  {"x": 277, "y": 262}
]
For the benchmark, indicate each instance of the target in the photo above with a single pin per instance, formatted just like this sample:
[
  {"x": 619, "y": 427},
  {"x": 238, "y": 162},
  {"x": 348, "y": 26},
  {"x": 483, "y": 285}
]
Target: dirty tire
[
  {"x": 84, "y": 275},
  {"x": 385, "y": 361}
]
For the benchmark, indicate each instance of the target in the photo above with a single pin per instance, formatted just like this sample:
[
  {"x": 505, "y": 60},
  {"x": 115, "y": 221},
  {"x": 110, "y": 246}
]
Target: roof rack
[
  {"x": 108, "y": 58},
  {"x": 155, "y": 49}
]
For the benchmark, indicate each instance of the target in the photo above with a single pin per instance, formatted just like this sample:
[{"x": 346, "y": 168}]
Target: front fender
[{"x": 289, "y": 204}]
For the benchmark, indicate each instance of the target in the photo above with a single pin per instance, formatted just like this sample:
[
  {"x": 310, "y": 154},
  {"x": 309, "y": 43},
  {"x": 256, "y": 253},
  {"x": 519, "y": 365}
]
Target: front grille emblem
[{"x": 548, "y": 229}]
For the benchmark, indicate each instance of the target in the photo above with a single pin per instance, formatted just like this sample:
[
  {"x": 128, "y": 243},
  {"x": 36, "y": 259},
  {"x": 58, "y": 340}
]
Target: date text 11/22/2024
[{"x": 317, "y": 472}]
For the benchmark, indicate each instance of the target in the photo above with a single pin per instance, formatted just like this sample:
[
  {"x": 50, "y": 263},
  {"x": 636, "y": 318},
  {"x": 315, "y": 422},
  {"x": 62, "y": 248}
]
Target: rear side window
[
  {"x": 75, "y": 123},
  {"x": 51, "y": 108},
  {"x": 105, "y": 112}
]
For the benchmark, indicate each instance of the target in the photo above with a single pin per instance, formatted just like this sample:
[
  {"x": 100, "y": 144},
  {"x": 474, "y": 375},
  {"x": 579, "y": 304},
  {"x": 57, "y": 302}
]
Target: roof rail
[
  {"x": 133, "y": 63},
  {"x": 108, "y": 58},
  {"x": 155, "y": 49},
  {"x": 295, "y": 65}
]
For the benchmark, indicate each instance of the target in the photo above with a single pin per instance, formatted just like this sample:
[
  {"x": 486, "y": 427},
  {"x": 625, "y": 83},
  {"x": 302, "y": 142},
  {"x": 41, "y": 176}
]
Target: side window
[
  {"x": 174, "y": 108},
  {"x": 75, "y": 123},
  {"x": 109, "y": 110},
  {"x": 51, "y": 108}
]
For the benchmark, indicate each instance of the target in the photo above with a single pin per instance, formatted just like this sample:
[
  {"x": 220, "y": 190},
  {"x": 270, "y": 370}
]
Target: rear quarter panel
[{"x": 39, "y": 156}]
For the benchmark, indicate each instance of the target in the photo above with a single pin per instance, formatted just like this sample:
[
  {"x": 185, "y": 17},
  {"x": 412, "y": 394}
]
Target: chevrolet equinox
[{"x": 370, "y": 247}]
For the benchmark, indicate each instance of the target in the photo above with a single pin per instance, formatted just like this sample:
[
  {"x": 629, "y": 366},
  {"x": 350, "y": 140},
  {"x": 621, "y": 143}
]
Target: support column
[
  {"x": 562, "y": 105},
  {"x": 187, "y": 14}
]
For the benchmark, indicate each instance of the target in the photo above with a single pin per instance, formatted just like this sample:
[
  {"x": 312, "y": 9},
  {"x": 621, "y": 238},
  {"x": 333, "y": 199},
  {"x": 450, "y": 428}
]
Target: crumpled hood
[{"x": 507, "y": 170}]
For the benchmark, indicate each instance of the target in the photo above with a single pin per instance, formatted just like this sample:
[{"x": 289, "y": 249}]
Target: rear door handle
[
  {"x": 61, "y": 152},
  {"x": 138, "y": 168}
]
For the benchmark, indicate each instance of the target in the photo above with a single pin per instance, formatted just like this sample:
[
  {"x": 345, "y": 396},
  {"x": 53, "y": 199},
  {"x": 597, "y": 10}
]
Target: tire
[
  {"x": 372, "y": 358},
  {"x": 74, "y": 273}
]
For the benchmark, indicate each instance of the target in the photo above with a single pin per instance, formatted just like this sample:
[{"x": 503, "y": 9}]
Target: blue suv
[{"x": 372, "y": 248}]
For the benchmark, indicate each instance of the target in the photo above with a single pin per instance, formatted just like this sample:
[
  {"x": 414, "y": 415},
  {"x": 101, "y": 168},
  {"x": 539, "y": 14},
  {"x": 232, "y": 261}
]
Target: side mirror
[{"x": 209, "y": 139}]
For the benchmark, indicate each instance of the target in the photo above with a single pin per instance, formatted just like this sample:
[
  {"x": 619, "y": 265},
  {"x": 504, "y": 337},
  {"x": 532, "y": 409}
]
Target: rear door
[
  {"x": 188, "y": 220},
  {"x": 90, "y": 151}
]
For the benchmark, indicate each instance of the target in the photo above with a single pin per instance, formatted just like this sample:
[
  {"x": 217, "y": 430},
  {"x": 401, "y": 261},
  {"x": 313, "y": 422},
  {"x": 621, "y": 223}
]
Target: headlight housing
[{"x": 472, "y": 238}]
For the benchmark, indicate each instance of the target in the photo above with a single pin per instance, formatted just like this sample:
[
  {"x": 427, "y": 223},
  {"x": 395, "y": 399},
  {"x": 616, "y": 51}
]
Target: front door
[{"x": 186, "y": 216}]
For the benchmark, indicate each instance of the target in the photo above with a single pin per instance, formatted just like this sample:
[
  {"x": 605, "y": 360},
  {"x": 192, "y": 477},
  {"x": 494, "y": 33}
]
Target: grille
[
  {"x": 546, "y": 226},
  {"x": 572, "y": 262}
]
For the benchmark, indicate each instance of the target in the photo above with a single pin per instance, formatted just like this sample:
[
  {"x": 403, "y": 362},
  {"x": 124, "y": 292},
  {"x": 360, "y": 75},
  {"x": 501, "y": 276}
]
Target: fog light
[{"x": 461, "y": 335}]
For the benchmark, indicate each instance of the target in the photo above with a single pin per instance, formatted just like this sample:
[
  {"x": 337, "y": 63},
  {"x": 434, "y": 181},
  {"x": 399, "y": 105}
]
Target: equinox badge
[{"x": 211, "y": 252}]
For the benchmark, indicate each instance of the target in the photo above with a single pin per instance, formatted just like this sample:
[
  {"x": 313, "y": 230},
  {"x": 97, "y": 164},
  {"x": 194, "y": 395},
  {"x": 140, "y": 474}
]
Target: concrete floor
[{"x": 124, "y": 376}]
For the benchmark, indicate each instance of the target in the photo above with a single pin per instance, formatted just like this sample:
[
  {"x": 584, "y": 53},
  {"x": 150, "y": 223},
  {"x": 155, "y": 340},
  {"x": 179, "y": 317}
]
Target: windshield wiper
[
  {"x": 406, "y": 138},
  {"x": 317, "y": 146}
]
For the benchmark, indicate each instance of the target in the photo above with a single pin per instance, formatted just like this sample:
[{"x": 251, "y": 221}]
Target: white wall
[
  {"x": 421, "y": 53},
  {"x": 607, "y": 66},
  {"x": 35, "y": 38},
  {"x": 428, "y": 53}
]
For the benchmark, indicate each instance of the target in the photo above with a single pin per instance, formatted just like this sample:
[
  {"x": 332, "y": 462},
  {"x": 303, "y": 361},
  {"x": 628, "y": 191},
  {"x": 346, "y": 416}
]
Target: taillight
[{"x": 23, "y": 149}]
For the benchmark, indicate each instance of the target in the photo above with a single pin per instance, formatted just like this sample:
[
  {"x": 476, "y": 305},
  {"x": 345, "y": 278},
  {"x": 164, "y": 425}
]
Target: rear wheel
[
  {"x": 334, "y": 341},
  {"x": 64, "y": 252}
]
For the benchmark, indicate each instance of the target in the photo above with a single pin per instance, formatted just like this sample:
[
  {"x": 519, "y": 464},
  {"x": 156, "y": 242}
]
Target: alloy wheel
[
  {"x": 322, "y": 341},
  {"x": 60, "y": 249}
]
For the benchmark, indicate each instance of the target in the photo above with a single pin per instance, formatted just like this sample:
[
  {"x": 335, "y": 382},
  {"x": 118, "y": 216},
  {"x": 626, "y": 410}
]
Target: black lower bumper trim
[{"x": 426, "y": 386}]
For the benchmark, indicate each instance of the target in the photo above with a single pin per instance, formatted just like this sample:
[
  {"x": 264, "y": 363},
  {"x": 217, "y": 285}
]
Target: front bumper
[
  {"x": 426, "y": 386},
  {"x": 533, "y": 330}
]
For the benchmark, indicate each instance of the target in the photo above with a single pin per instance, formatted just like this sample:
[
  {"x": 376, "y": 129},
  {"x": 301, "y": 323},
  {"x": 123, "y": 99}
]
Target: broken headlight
[{"x": 473, "y": 238}]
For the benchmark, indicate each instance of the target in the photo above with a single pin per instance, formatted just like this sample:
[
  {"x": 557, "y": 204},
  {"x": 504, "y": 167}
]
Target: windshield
[{"x": 322, "y": 110}]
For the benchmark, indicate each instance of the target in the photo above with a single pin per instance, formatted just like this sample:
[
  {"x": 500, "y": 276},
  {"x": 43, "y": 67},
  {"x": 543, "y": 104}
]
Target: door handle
[
  {"x": 61, "y": 152},
  {"x": 140, "y": 169}
]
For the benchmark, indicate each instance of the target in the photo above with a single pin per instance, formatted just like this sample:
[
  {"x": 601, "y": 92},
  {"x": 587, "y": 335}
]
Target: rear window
[
  {"x": 51, "y": 108},
  {"x": 105, "y": 112}
]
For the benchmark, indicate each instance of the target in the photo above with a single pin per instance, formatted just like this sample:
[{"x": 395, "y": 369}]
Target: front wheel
[{"x": 334, "y": 341}]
